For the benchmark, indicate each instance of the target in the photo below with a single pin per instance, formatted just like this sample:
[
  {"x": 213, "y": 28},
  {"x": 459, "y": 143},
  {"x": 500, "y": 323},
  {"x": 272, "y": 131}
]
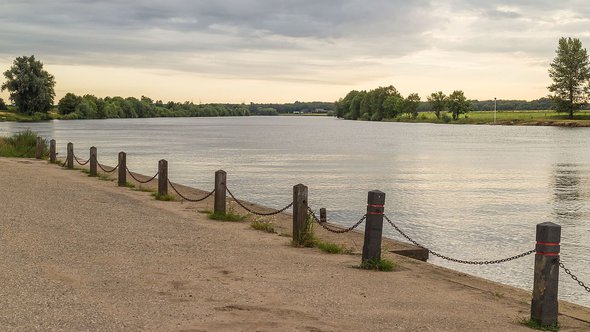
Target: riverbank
[{"x": 80, "y": 253}]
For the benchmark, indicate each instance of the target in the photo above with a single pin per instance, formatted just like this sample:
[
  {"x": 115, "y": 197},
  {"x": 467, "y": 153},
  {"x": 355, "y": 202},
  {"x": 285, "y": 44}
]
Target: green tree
[
  {"x": 68, "y": 103},
  {"x": 3, "y": 106},
  {"x": 438, "y": 102},
  {"x": 410, "y": 105},
  {"x": 458, "y": 104},
  {"x": 30, "y": 86},
  {"x": 570, "y": 71}
]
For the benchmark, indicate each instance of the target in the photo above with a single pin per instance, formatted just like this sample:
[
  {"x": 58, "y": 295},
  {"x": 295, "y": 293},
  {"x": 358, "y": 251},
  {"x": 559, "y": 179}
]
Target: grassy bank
[
  {"x": 12, "y": 115},
  {"x": 20, "y": 145},
  {"x": 533, "y": 118}
]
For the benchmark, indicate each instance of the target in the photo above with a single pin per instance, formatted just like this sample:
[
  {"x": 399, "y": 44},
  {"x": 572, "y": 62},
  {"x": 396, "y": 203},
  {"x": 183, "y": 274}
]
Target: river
[{"x": 471, "y": 192}]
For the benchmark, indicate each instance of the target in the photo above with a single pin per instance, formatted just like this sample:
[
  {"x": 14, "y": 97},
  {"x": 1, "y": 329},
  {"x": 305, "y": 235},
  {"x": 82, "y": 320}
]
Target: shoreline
[{"x": 265, "y": 283}]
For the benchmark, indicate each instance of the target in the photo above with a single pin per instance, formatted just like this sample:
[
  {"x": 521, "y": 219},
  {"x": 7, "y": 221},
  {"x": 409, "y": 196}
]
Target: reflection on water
[{"x": 470, "y": 192}]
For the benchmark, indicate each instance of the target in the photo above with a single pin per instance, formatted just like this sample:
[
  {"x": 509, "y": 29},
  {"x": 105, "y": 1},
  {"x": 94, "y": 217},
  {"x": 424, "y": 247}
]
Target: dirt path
[{"x": 77, "y": 253}]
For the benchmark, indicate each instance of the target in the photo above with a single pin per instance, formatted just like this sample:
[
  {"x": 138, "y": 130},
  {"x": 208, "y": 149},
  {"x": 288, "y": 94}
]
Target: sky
[{"x": 242, "y": 51}]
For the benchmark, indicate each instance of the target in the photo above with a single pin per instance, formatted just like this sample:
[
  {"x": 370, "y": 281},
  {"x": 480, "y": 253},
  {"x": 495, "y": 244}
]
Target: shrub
[{"x": 21, "y": 145}]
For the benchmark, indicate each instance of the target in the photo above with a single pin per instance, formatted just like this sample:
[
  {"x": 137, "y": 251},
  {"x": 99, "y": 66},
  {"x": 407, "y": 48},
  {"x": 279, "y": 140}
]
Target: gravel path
[{"x": 77, "y": 253}]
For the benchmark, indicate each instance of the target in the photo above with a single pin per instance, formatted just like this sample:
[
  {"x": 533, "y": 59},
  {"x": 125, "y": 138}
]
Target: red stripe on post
[
  {"x": 548, "y": 243},
  {"x": 375, "y": 213},
  {"x": 376, "y": 205},
  {"x": 548, "y": 253}
]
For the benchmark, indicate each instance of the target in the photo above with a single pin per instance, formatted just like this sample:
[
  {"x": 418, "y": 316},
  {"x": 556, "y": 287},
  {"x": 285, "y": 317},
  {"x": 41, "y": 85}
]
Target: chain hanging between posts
[
  {"x": 568, "y": 272},
  {"x": 104, "y": 170},
  {"x": 81, "y": 163},
  {"x": 138, "y": 180},
  {"x": 188, "y": 199},
  {"x": 263, "y": 214},
  {"x": 335, "y": 230},
  {"x": 462, "y": 261},
  {"x": 64, "y": 164}
]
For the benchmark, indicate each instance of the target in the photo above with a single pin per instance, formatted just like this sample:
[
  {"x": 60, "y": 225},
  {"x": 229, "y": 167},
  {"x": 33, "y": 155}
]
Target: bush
[
  {"x": 446, "y": 118},
  {"x": 21, "y": 145}
]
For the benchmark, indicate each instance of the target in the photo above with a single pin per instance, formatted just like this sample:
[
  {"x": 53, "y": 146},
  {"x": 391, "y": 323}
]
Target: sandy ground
[{"x": 77, "y": 253}]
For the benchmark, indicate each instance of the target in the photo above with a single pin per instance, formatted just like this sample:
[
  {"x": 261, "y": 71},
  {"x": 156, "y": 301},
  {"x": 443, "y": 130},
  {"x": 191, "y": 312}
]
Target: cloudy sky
[{"x": 283, "y": 51}]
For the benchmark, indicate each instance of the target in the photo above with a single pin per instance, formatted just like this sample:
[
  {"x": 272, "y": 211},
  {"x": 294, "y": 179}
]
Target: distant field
[{"x": 544, "y": 117}]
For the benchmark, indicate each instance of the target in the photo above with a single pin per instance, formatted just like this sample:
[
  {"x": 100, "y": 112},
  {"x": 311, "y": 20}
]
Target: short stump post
[
  {"x": 93, "y": 161},
  {"x": 70, "y": 157},
  {"x": 323, "y": 215},
  {"x": 122, "y": 175},
  {"x": 300, "y": 209},
  {"x": 162, "y": 178},
  {"x": 220, "y": 192},
  {"x": 39, "y": 148},
  {"x": 374, "y": 226},
  {"x": 52, "y": 154},
  {"x": 544, "y": 307}
]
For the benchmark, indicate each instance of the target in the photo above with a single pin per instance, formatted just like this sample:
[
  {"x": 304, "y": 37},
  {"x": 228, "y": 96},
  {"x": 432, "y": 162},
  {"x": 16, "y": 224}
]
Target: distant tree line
[{"x": 292, "y": 108}]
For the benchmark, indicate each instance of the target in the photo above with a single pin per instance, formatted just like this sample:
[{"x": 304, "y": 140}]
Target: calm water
[{"x": 472, "y": 192}]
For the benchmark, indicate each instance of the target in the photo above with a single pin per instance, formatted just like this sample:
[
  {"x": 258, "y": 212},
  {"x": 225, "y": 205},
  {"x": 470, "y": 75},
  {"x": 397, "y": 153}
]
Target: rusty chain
[
  {"x": 138, "y": 180},
  {"x": 263, "y": 214},
  {"x": 332, "y": 229},
  {"x": 462, "y": 261},
  {"x": 568, "y": 272},
  {"x": 104, "y": 170},
  {"x": 80, "y": 163},
  {"x": 188, "y": 199}
]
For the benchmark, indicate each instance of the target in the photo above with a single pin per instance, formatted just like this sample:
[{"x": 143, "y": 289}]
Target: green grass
[
  {"x": 378, "y": 265},
  {"x": 143, "y": 189},
  {"x": 228, "y": 216},
  {"x": 533, "y": 324},
  {"x": 21, "y": 145},
  {"x": 129, "y": 185},
  {"x": 306, "y": 238},
  {"x": 166, "y": 198},
  {"x": 330, "y": 248},
  {"x": 261, "y": 225}
]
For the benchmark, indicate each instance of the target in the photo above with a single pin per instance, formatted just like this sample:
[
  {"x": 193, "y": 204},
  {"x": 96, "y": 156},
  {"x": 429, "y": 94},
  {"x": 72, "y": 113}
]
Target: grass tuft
[
  {"x": 330, "y": 248},
  {"x": 129, "y": 185},
  {"x": 143, "y": 189},
  {"x": 533, "y": 324},
  {"x": 228, "y": 216},
  {"x": 166, "y": 198},
  {"x": 21, "y": 145},
  {"x": 306, "y": 238},
  {"x": 261, "y": 225},
  {"x": 378, "y": 265}
]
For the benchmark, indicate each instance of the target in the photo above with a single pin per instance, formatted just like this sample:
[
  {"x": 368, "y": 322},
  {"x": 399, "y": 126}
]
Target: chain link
[
  {"x": 138, "y": 180},
  {"x": 462, "y": 261},
  {"x": 568, "y": 272},
  {"x": 188, "y": 199},
  {"x": 335, "y": 230},
  {"x": 64, "y": 164},
  {"x": 104, "y": 170},
  {"x": 81, "y": 163},
  {"x": 263, "y": 214}
]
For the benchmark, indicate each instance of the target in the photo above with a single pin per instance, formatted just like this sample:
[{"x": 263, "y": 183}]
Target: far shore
[{"x": 89, "y": 255}]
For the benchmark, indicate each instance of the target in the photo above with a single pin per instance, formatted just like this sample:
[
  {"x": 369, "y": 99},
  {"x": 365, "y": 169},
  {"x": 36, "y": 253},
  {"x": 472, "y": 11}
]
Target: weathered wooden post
[
  {"x": 220, "y": 192},
  {"x": 122, "y": 175},
  {"x": 374, "y": 226},
  {"x": 162, "y": 177},
  {"x": 39, "y": 148},
  {"x": 52, "y": 154},
  {"x": 70, "y": 156},
  {"x": 323, "y": 216},
  {"x": 299, "y": 213},
  {"x": 544, "y": 308},
  {"x": 93, "y": 161}
]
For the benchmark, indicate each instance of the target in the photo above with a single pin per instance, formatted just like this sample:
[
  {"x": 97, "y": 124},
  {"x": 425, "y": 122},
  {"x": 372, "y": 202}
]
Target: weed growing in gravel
[
  {"x": 129, "y": 185},
  {"x": 228, "y": 216},
  {"x": 306, "y": 238},
  {"x": 166, "y": 197},
  {"x": 330, "y": 248},
  {"x": 262, "y": 225},
  {"x": 378, "y": 265},
  {"x": 533, "y": 324}
]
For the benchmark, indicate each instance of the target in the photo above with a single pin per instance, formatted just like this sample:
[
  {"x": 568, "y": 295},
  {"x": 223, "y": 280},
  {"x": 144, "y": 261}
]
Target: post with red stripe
[
  {"x": 544, "y": 307},
  {"x": 374, "y": 226}
]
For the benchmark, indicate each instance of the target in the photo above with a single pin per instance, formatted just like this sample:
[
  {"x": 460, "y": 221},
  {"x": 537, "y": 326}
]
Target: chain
[
  {"x": 138, "y": 180},
  {"x": 258, "y": 213},
  {"x": 64, "y": 164},
  {"x": 104, "y": 170},
  {"x": 188, "y": 199},
  {"x": 568, "y": 272},
  {"x": 334, "y": 230},
  {"x": 80, "y": 163},
  {"x": 462, "y": 261}
]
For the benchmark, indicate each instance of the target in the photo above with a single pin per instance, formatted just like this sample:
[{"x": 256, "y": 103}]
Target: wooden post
[
  {"x": 299, "y": 213},
  {"x": 220, "y": 192},
  {"x": 374, "y": 226},
  {"x": 70, "y": 157},
  {"x": 544, "y": 308},
  {"x": 52, "y": 154},
  {"x": 323, "y": 216},
  {"x": 93, "y": 161},
  {"x": 162, "y": 177},
  {"x": 122, "y": 176},
  {"x": 39, "y": 148}
]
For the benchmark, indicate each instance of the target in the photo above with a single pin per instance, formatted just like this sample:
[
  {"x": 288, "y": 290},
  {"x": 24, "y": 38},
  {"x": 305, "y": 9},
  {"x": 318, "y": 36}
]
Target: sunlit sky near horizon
[{"x": 283, "y": 51}]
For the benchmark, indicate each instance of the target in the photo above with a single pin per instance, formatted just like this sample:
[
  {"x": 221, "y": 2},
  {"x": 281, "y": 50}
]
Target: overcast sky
[{"x": 283, "y": 51}]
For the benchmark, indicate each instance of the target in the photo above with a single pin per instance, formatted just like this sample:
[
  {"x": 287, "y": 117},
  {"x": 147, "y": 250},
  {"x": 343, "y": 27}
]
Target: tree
[
  {"x": 411, "y": 104},
  {"x": 570, "y": 71},
  {"x": 3, "y": 106},
  {"x": 30, "y": 86},
  {"x": 458, "y": 104},
  {"x": 68, "y": 103},
  {"x": 438, "y": 102}
]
